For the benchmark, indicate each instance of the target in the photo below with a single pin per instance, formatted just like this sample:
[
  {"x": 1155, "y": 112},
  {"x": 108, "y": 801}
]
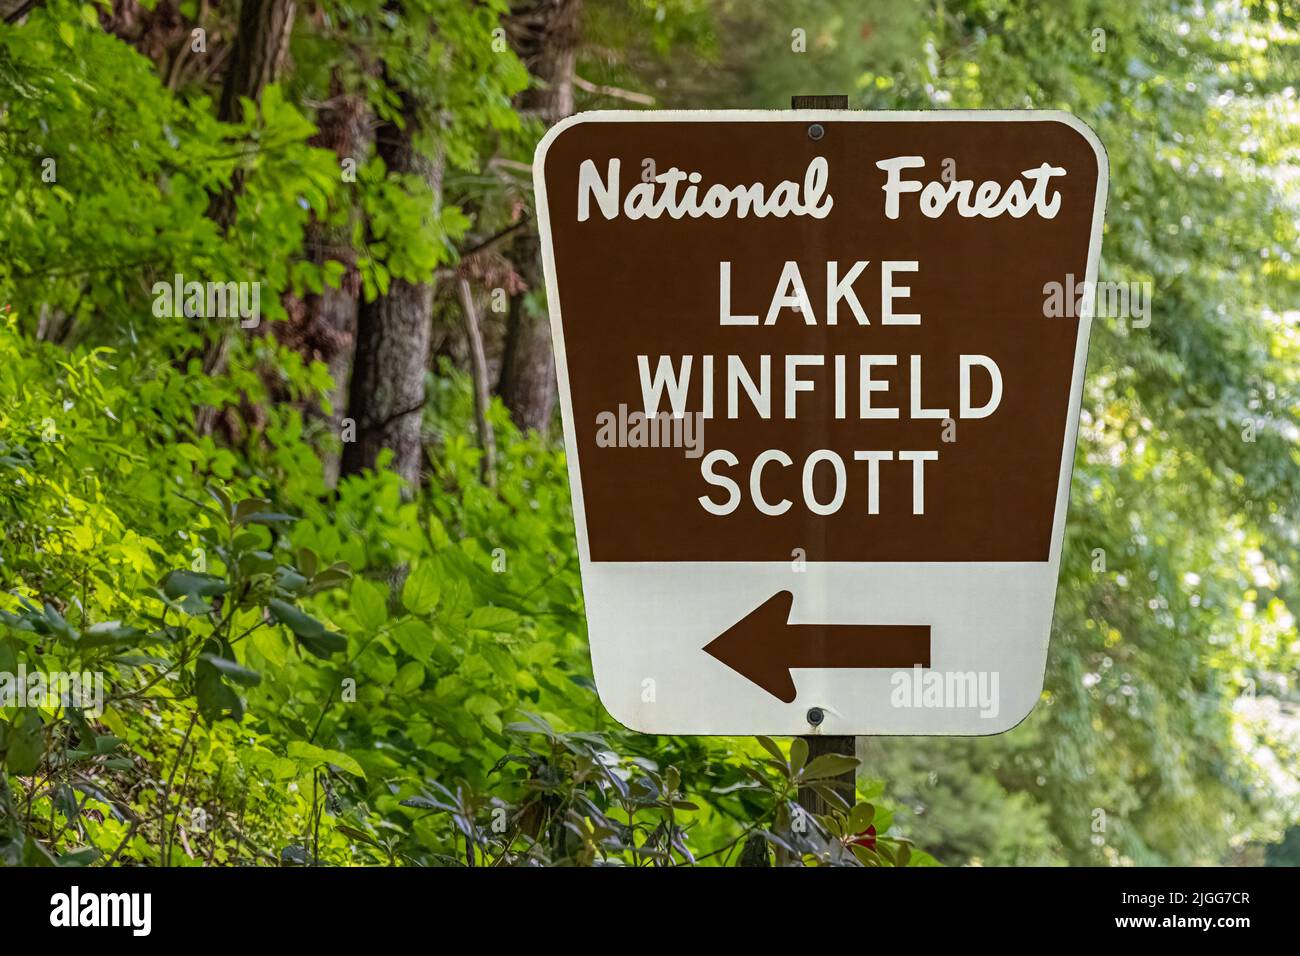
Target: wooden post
[
  {"x": 846, "y": 784},
  {"x": 836, "y": 101}
]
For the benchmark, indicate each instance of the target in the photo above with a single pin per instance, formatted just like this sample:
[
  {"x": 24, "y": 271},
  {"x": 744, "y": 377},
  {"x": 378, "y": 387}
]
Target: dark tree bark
[
  {"x": 259, "y": 52},
  {"x": 527, "y": 380},
  {"x": 545, "y": 35},
  {"x": 322, "y": 326},
  {"x": 260, "y": 47},
  {"x": 845, "y": 784},
  {"x": 164, "y": 35},
  {"x": 19, "y": 10},
  {"x": 386, "y": 394},
  {"x": 261, "y": 44},
  {"x": 755, "y": 852}
]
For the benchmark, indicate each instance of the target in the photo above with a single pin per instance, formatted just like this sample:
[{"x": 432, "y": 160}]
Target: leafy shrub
[{"x": 299, "y": 677}]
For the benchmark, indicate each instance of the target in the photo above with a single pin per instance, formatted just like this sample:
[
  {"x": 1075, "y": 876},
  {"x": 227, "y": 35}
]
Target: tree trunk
[
  {"x": 261, "y": 45},
  {"x": 545, "y": 36},
  {"x": 544, "y": 33},
  {"x": 324, "y": 329},
  {"x": 526, "y": 382},
  {"x": 386, "y": 394}
]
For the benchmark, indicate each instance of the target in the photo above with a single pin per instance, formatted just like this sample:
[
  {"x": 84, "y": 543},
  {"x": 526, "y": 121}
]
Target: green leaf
[
  {"x": 34, "y": 854},
  {"x": 268, "y": 517},
  {"x": 492, "y": 619},
  {"x": 289, "y": 580},
  {"x": 798, "y": 754},
  {"x": 421, "y": 590},
  {"x": 297, "y": 620},
  {"x": 369, "y": 604},
  {"x": 26, "y": 743},
  {"x": 179, "y": 584},
  {"x": 833, "y": 796},
  {"x": 359, "y": 835},
  {"x": 422, "y": 803},
  {"x": 51, "y": 621},
  {"x": 8, "y": 655},
  {"x": 331, "y": 577},
  {"x": 866, "y": 856},
  {"x": 82, "y": 857},
  {"x": 222, "y": 500},
  {"x": 828, "y": 765},
  {"x": 309, "y": 755},
  {"x": 860, "y": 817},
  {"x": 772, "y": 747},
  {"x": 233, "y": 670},
  {"x": 250, "y": 506},
  {"x": 216, "y": 698},
  {"x": 410, "y": 677},
  {"x": 884, "y": 820},
  {"x": 323, "y": 645},
  {"x": 106, "y": 633},
  {"x": 256, "y": 562},
  {"x": 414, "y": 637},
  {"x": 253, "y": 511}
]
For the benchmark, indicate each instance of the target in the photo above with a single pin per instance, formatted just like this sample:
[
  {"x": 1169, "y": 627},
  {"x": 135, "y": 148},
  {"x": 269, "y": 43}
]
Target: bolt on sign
[{"x": 819, "y": 418}]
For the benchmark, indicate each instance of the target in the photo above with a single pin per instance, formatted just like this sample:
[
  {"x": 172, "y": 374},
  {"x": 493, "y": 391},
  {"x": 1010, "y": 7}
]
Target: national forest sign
[{"x": 819, "y": 415}]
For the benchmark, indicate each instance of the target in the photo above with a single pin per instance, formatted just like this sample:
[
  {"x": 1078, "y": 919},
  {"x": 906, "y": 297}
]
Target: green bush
[{"x": 297, "y": 676}]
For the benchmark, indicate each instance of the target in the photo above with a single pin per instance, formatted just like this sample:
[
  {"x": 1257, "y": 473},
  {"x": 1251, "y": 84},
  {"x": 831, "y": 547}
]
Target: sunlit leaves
[{"x": 421, "y": 591}]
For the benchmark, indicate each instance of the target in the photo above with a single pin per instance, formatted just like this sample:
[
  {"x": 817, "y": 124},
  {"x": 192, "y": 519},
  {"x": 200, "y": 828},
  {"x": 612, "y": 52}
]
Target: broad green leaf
[
  {"x": 233, "y": 670},
  {"x": 798, "y": 754},
  {"x": 26, "y": 743},
  {"x": 414, "y": 637},
  {"x": 861, "y": 816},
  {"x": 421, "y": 590},
  {"x": 325, "y": 644},
  {"x": 369, "y": 604},
  {"x": 309, "y": 755},
  {"x": 297, "y": 620},
  {"x": 492, "y": 619},
  {"x": 771, "y": 747},
  {"x": 409, "y": 678},
  {"x": 179, "y": 584},
  {"x": 828, "y": 765}
]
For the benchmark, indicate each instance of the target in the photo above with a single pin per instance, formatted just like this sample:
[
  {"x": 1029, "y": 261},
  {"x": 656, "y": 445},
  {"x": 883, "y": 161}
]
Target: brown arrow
[{"x": 763, "y": 646}]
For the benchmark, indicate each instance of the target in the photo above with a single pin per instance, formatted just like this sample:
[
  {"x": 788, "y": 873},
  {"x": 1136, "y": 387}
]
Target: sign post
[
  {"x": 820, "y": 407},
  {"x": 819, "y": 744}
]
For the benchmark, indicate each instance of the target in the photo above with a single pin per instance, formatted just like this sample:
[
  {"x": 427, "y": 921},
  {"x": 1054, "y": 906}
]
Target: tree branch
[
  {"x": 617, "y": 92},
  {"x": 23, "y": 9}
]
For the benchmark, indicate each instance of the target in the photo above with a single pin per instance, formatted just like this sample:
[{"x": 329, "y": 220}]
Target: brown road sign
[{"x": 820, "y": 374}]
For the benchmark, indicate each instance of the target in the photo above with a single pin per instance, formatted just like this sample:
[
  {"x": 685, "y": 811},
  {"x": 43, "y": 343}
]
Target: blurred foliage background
[{"x": 326, "y": 562}]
